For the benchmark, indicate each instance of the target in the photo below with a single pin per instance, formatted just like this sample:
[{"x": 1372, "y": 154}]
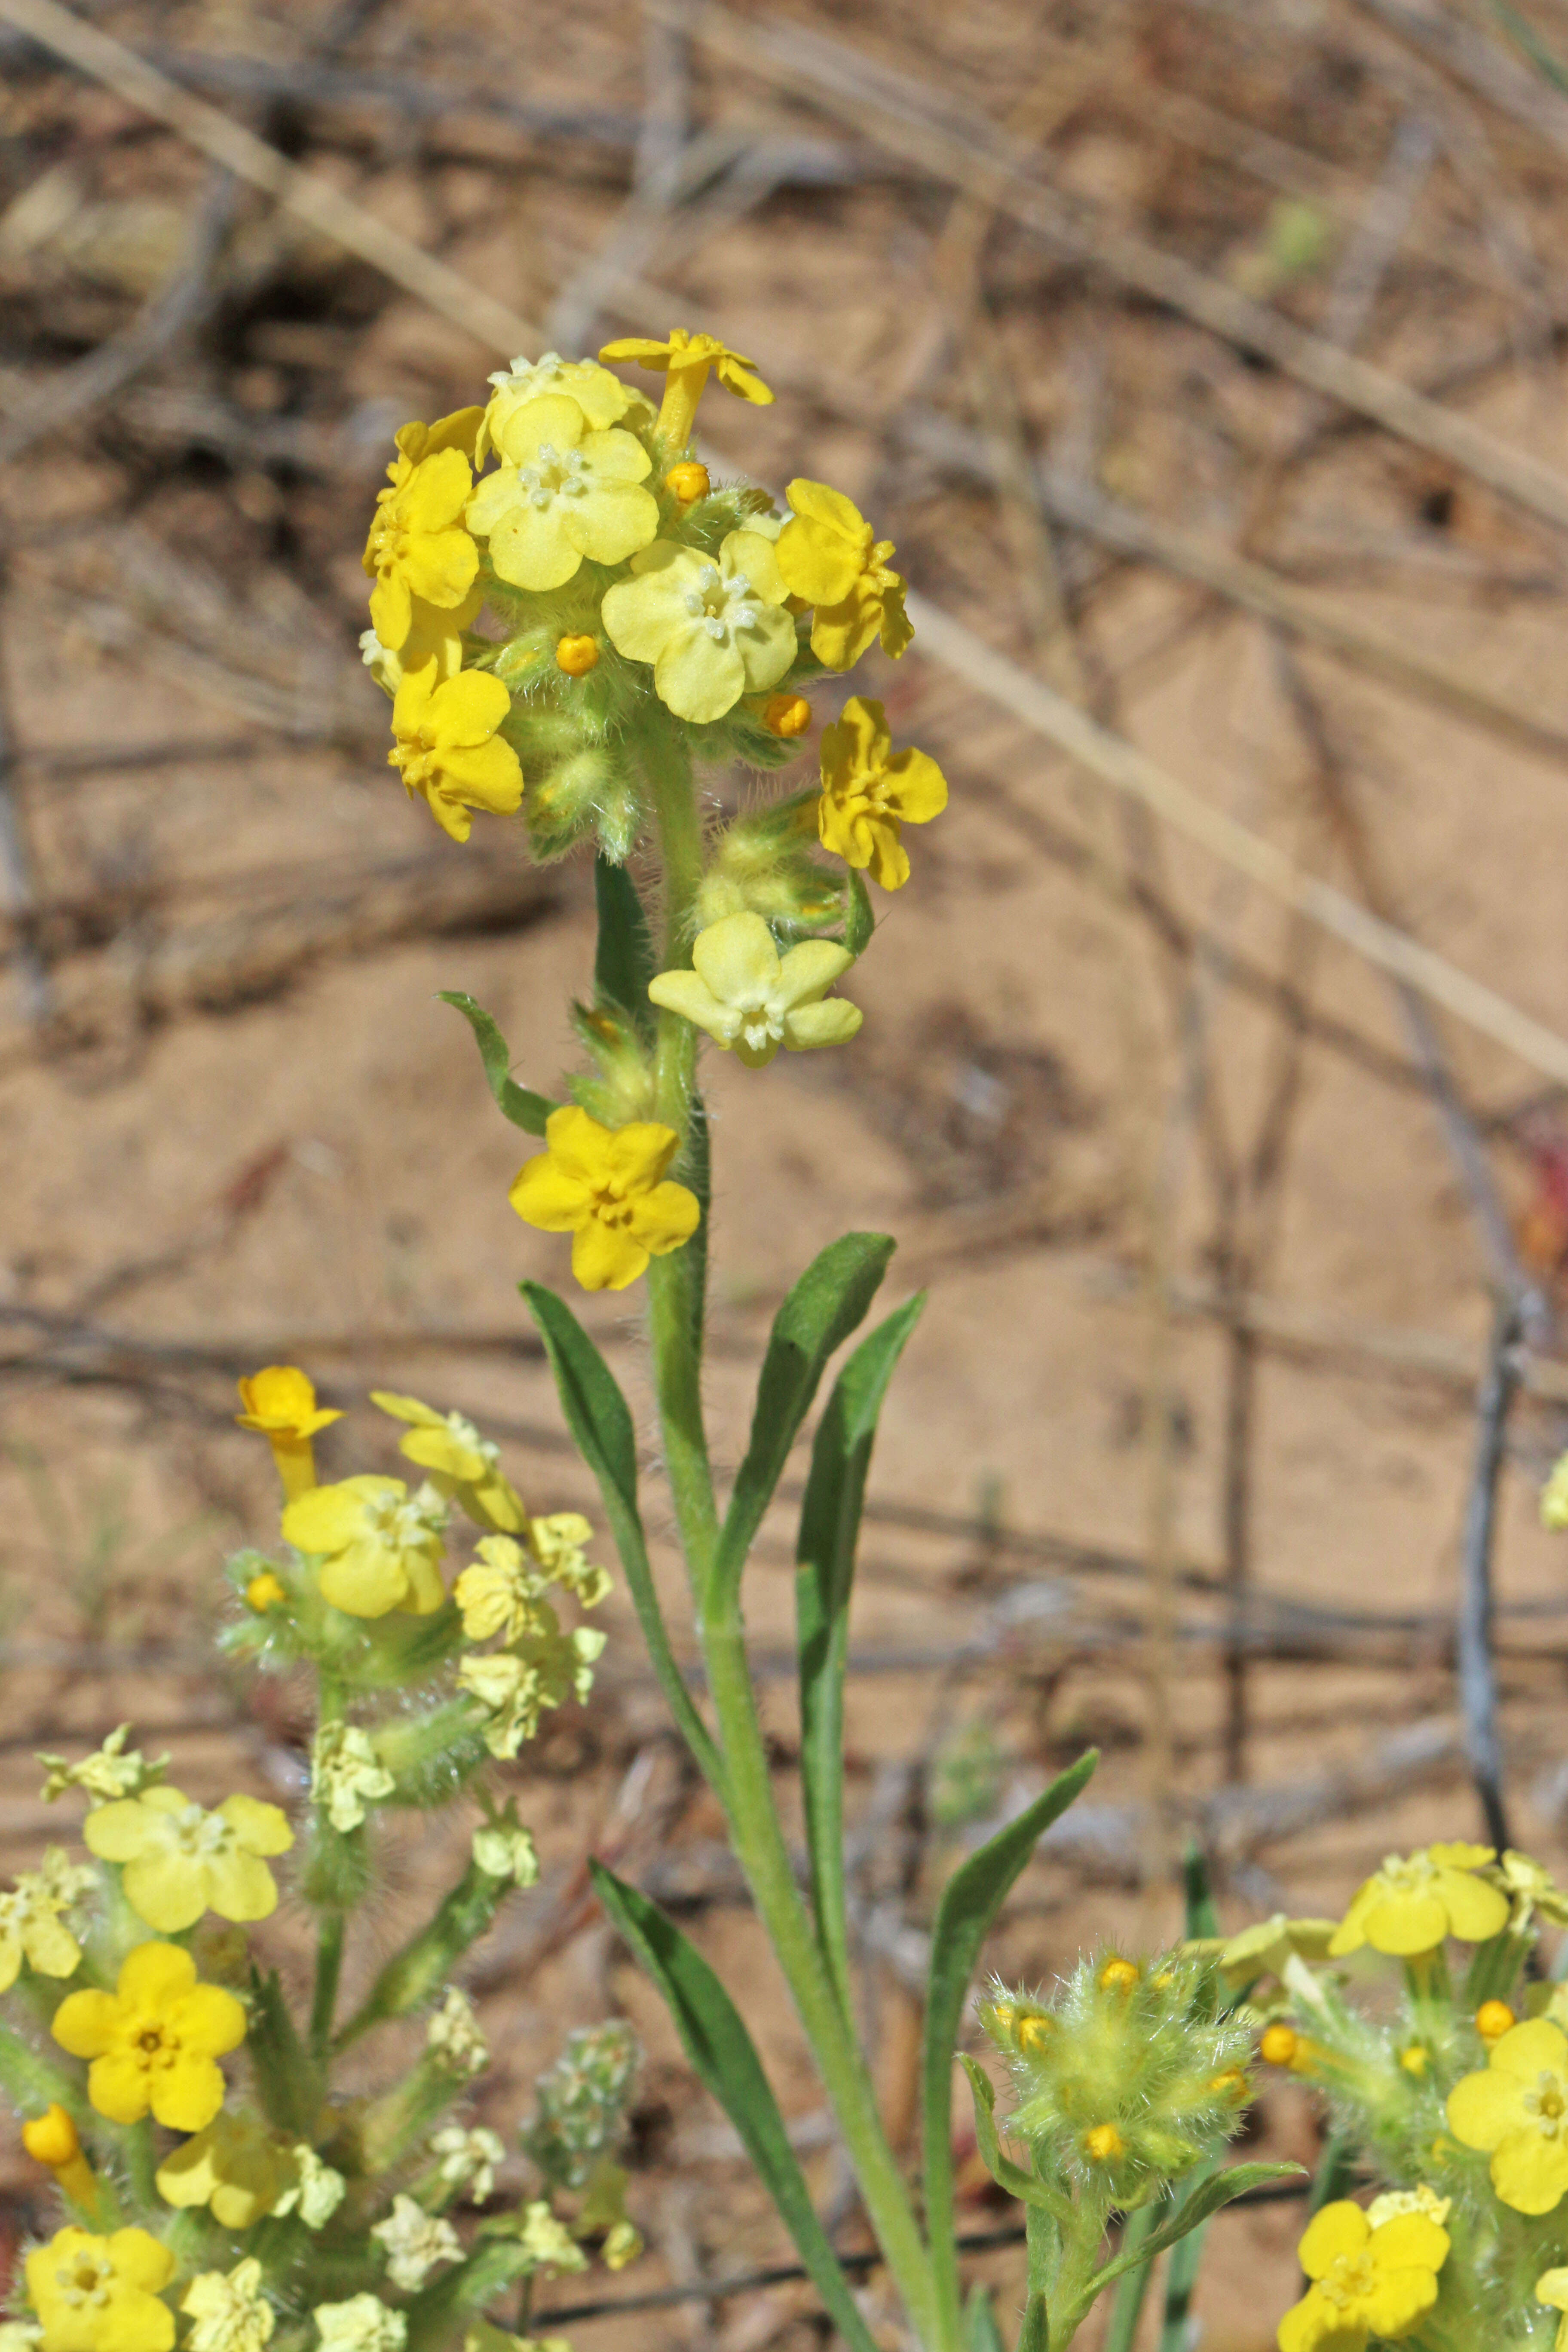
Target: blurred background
[{"x": 1204, "y": 359}]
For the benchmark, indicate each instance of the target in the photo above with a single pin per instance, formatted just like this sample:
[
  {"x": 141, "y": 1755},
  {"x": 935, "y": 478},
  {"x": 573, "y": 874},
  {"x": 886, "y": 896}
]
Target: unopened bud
[
  {"x": 264, "y": 1592},
  {"x": 1118, "y": 1976},
  {"x": 577, "y": 655},
  {"x": 1493, "y": 2020},
  {"x": 1280, "y": 2045},
  {"x": 51, "y": 2139},
  {"x": 1104, "y": 2144},
  {"x": 689, "y": 482},
  {"x": 786, "y": 714}
]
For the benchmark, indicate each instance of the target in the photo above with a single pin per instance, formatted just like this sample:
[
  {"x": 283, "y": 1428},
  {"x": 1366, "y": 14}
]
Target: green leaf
[
  {"x": 859, "y": 922},
  {"x": 1181, "y": 2283},
  {"x": 970, "y": 1902},
  {"x": 1206, "y": 2200},
  {"x": 520, "y": 1103},
  {"x": 288, "y": 2080},
  {"x": 826, "y": 1305},
  {"x": 1035, "y": 2336},
  {"x": 1027, "y": 2186},
  {"x": 600, "y": 1421},
  {"x": 1203, "y": 1919},
  {"x": 981, "y": 2333},
  {"x": 624, "y": 963},
  {"x": 1121, "y": 2329},
  {"x": 722, "y": 2051},
  {"x": 830, "y": 1533}
]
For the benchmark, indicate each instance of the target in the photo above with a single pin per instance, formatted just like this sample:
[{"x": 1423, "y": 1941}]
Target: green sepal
[
  {"x": 859, "y": 922},
  {"x": 520, "y": 1103},
  {"x": 720, "y": 2050},
  {"x": 287, "y": 2083},
  {"x": 624, "y": 961},
  {"x": 1027, "y": 2186},
  {"x": 418, "y": 1972}
]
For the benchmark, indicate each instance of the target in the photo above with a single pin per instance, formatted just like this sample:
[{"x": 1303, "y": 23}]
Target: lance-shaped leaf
[
  {"x": 970, "y": 1902},
  {"x": 829, "y": 1534},
  {"x": 600, "y": 1420},
  {"x": 722, "y": 2051},
  {"x": 1027, "y": 2186},
  {"x": 981, "y": 2333},
  {"x": 859, "y": 922},
  {"x": 624, "y": 963},
  {"x": 1221, "y": 2188},
  {"x": 520, "y": 1103},
  {"x": 826, "y": 1305}
]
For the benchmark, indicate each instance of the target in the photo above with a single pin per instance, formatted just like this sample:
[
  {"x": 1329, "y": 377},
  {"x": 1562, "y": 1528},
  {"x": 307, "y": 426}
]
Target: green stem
[{"x": 330, "y": 1704}]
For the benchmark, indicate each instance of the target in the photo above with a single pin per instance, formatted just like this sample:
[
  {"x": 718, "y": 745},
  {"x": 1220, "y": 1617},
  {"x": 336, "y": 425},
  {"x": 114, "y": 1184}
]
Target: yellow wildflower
[
  {"x": 51, "y": 2139},
  {"x": 347, "y": 1774},
  {"x": 363, "y": 2323},
  {"x": 501, "y": 1591},
  {"x": 100, "y": 2294},
  {"x": 1367, "y": 2281},
  {"x": 415, "y": 2242},
  {"x": 547, "y": 2240},
  {"x": 280, "y": 1401},
  {"x": 751, "y": 1000},
  {"x": 230, "y": 2311},
  {"x": 1552, "y": 2289},
  {"x": 446, "y": 747},
  {"x": 434, "y": 635},
  {"x": 603, "y": 398},
  {"x": 112, "y": 1771},
  {"x": 869, "y": 791},
  {"x": 1411, "y": 1905},
  {"x": 1420, "y": 2200},
  {"x": 418, "y": 544},
  {"x": 154, "y": 2041},
  {"x": 380, "y": 1546},
  {"x": 504, "y": 1849},
  {"x": 605, "y": 1188},
  {"x": 561, "y": 493},
  {"x": 556, "y": 1542},
  {"x": 1516, "y": 2110},
  {"x": 416, "y": 441},
  {"x": 316, "y": 2191},
  {"x": 466, "y": 2157},
  {"x": 236, "y": 2167},
  {"x": 1554, "y": 1497},
  {"x": 515, "y": 1686},
  {"x": 830, "y": 560},
  {"x": 31, "y": 1925},
  {"x": 685, "y": 360},
  {"x": 1266, "y": 1949},
  {"x": 453, "y": 2034},
  {"x": 713, "y": 627},
  {"x": 180, "y": 1860},
  {"x": 1531, "y": 1887},
  {"x": 463, "y": 1465}
]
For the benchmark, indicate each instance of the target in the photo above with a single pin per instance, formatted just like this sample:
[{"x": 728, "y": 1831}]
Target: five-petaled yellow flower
[
  {"x": 434, "y": 635},
  {"x": 31, "y": 1927},
  {"x": 1552, "y": 2289},
  {"x": 713, "y": 627},
  {"x": 234, "y": 2166},
  {"x": 180, "y": 1860},
  {"x": 100, "y": 2294},
  {"x": 446, "y": 747},
  {"x": 463, "y": 1465},
  {"x": 280, "y": 1401},
  {"x": 416, "y": 441},
  {"x": 418, "y": 546},
  {"x": 830, "y": 560},
  {"x": 228, "y": 2310},
  {"x": 1516, "y": 2111},
  {"x": 561, "y": 492},
  {"x": 1412, "y": 1903},
  {"x": 686, "y": 361},
  {"x": 606, "y": 1187},
  {"x": 380, "y": 1545},
  {"x": 751, "y": 1000},
  {"x": 603, "y": 398},
  {"x": 154, "y": 2041},
  {"x": 1366, "y": 2281},
  {"x": 869, "y": 792}
]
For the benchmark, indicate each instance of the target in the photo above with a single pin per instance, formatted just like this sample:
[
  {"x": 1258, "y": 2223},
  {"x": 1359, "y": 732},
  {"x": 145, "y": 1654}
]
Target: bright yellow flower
[
  {"x": 280, "y": 1401},
  {"x": 713, "y": 628},
  {"x": 1516, "y": 2111},
  {"x": 415, "y": 442},
  {"x": 380, "y": 1546},
  {"x": 180, "y": 1860},
  {"x": 604, "y": 1186},
  {"x": 100, "y": 2294},
  {"x": 603, "y": 398},
  {"x": 444, "y": 745},
  {"x": 1552, "y": 2289},
  {"x": 751, "y": 1000},
  {"x": 230, "y": 2311},
  {"x": 561, "y": 493},
  {"x": 686, "y": 361},
  {"x": 236, "y": 2168},
  {"x": 869, "y": 792},
  {"x": 463, "y": 1465},
  {"x": 433, "y": 636},
  {"x": 1411, "y": 1905},
  {"x": 31, "y": 1925},
  {"x": 829, "y": 559},
  {"x": 154, "y": 2041},
  {"x": 1365, "y": 2281},
  {"x": 418, "y": 546}
]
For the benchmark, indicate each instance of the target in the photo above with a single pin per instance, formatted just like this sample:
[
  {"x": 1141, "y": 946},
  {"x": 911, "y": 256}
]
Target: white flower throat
[
  {"x": 721, "y": 606},
  {"x": 552, "y": 475}
]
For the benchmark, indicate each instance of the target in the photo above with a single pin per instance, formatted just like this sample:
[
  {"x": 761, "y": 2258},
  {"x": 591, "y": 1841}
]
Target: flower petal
[
  {"x": 694, "y": 676},
  {"x": 85, "y": 2022},
  {"x": 1337, "y": 2228},
  {"x": 687, "y": 993},
  {"x": 435, "y": 493},
  {"x": 1405, "y": 1922},
  {"x": 1484, "y": 2108},
  {"x": 189, "y": 2096},
  {"x": 365, "y": 1581},
  {"x": 466, "y": 710},
  {"x": 1524, "y": 2050},
  {"x": 532, "y": 547},
  {"x": 736, "y": 957},
  {"x": 1530, "y": 2172},
  {"x": 605, "y": 1257},
  {"x": 1476, "y": 1911},
  {"x": 754, "y": 558},
  {"x": 116, "y": 1832},
  {"x": 830, "y": 1024},
  {"x": 155, "y": 1974},
  {"x": 117, "y": 2086},
  {"x": 166, "y": 1889},
  {"x": 139, "y": 2258},
  {"x": 810, "y": 969},
  {"x": 240, "y": 1887},
  {"x": 1397, "y": 2300},
  {"x": 209, "y": 2021},
  {"x": 666, "y": 1218},
  {"x": 917, "y": 792},
  {"x": 260, "y": 1827},
  {"x": 766, "y": 644},
  {"x": 548, "y": 1195},
  {"x": 640, "y": 1152},
  {"x": 616, "y": 518},
  {"x": 552, "y": 417},
  {"x": 1410, "y": 2241}
]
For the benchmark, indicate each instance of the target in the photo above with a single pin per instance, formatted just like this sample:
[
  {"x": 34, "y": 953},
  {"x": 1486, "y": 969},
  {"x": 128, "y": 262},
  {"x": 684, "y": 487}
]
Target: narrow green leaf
[
  {"x": 826, "y": 1305},
  {"x": 720, "y": 2047},
  {"x": 1203, "y": 1919},
  {"x": 625, "y": 962},
  {"x": 1035, "y": 2336},
  {"x": 1025, "y": 2186},
  {"x": 1336, "y": 2173},
  {"x": 829, "y": 1534},
  {"x": 601, "y": 1424},
  {"x": 1206, "y": 2200},
  {"x": 1121, "y": 2328},
  {"x": 520, "y": 1103},
  {"x": 1181, "y": 2284},
  {"x": 859, "y": 922},
  {"x": 970, "y": 1902},
  {"x": 288, "y": 2080},
  {"x": 981, "y": 2333}
]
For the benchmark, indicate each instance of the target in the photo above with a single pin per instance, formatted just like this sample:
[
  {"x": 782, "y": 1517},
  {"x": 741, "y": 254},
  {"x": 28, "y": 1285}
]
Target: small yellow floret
[
  {"x": 689, "y": 482},
  {"x": 577, "y": 655},
  {"x": 1415, "y": 2060},
  {"x": 1118, "y": 1976},
  {"x": 606, "y": 1187},
  {"x": 154, "y": 2041},
  {"x": 1035, "y": 2036},
  {"x": 264, "y": 1592},
  {"x": 869, "y": 792},
  {"x": 1104, "y": 2144},
  {"x": 102, "y": 2295},
  {"x": 281, "y": 1404},
  {"x": 1493, "y": 2019},
  {"x": 1278, "y": 2045},
  {"x": 786, "y": 715},
  {"x": 51, "y": 2139}
]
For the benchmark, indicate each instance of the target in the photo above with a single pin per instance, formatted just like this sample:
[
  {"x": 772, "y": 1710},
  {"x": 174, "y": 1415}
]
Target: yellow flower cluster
[{"x": 1370, "y": 2277}]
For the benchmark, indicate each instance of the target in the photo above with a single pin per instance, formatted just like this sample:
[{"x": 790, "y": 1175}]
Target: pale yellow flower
[
  {"x": 1412, "y": 1904},
  {"x": 230, "y": 2311},
  {"x": 547, "y": 2241},
  {"x": 416, "y": 2242},
  {"x": 606, "y": 1187},
  {"x": 466, "y": 2158},
  {"x": 316, "y": 2191},
  {"x": 111, "y": 1770},
  {"x": 515, "y": 1686},
  {"x": 380, "y": 1545},
  {"x": 32, "y": 1925},
  {"x": 1267, "y": 1949},
  {"x": 505, "y": 1849},
  {"x": 463, "y": 1465},
  {"x": 713, "y": 627},
  {"x": 453, "y": 2034},
  {"x": 830, "y": 560},
  {"x": 1531, "y": 1888},
  {"x": 446, "y": 747},
  {"x": 363, "y": 2323},
  {"x": 501, "y": 1592},
  {"x": 869, "y": 792},
  {"x": 1421, "y": 2200},
  {"x": 561, "y": 493},
  {"x": 236, "y": 2167},
  {"x": 154, "y": 2041},
  {"x": 751, "y": 1000},
  {"x": 180, "y": 1860},
  {"x": 102, "y": 2294},
  {"x": 346, "y": 1774},
  {"x": 418, "y": 546},
  {"x": 603, "y": 398},
  {"x": 556, "y": 1542},
  {"x": 686, "y": 361}
]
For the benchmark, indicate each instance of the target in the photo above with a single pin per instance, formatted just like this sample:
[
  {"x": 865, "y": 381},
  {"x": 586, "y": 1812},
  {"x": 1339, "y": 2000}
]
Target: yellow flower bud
[
  {"x": 1493, "y": 2019},
  {"x": 51, "y": 2139},
  {"x": 1104, "y": 2144},
  {"x": 1118, "y": 1976},
  {"x": 786, "y": 715},
  {"x": 1033, "y": 2036},
  {"x": 577, "y": 655},
  {"x": 689, "y": 482},
  {"x": 1278, "y": 2045},
  {"x": 264, "y": 1592},
  {"x": 1415, "y": 2060}
]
